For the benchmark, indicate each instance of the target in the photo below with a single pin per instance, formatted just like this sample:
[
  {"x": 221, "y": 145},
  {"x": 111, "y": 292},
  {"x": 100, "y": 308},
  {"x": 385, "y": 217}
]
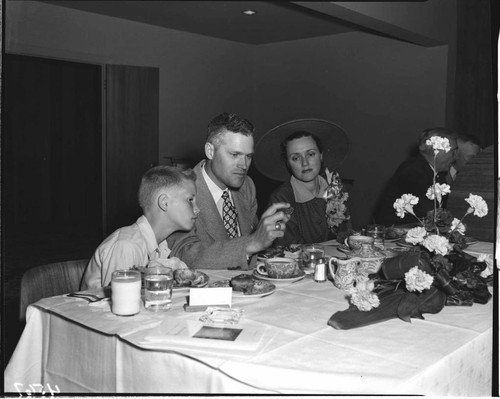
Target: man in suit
[{"x": 227, "y": 233}]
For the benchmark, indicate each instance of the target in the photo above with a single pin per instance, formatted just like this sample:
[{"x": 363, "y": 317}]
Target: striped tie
[{"x": 229, "y": 216}]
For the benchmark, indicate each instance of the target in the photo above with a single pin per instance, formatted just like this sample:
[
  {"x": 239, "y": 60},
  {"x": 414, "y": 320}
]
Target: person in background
[
  {"x": 415, "y": 176},
  {"x": 228, "y": 233},
  {"x": 167, "y": 197},
  {"x": 468, "y": 147},
  {"x": 305, "y": 189}
]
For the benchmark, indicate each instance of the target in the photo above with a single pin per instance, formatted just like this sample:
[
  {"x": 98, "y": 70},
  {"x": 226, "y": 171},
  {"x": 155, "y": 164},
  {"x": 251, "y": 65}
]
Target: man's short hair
[
  {"x": 436, "y": 131},
  {"x": 158, "y": 178},
  {"x": 230, "y": 122}
]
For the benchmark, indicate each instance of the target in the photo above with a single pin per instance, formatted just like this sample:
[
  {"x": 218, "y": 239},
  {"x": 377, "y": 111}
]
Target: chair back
[{"x": 50, "y": 280}]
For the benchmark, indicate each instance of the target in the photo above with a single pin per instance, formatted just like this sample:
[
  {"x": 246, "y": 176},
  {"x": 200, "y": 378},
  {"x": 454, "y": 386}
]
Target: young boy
[{"x": 167, "y": 198}]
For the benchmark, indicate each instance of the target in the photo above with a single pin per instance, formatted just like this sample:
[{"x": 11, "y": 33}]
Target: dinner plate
[
  {"x": 470, "y": 241},
  {"x": 333, "y": 243},
  {"x": 344, "y": 248},
  {"x": 266, "y": 289},
  {"x": 203, "y": 283},
  {"x": 259, "y": 276}
]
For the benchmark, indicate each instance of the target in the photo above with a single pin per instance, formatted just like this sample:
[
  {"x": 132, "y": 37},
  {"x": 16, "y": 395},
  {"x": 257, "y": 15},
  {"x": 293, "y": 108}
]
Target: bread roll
[{"x": 242, "y": 282}]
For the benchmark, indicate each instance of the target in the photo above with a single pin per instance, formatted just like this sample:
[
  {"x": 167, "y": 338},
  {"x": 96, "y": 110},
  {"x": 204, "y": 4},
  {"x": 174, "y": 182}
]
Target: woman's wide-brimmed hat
[{"x": 334, "y": 142}]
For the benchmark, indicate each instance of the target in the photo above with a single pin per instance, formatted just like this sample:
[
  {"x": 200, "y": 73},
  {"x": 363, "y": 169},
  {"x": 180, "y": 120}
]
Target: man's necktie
[{"x": 229, "y": 216}]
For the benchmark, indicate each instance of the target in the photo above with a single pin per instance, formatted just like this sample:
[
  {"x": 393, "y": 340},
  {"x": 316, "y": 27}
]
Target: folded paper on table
[{"x": 193, "y": 334}]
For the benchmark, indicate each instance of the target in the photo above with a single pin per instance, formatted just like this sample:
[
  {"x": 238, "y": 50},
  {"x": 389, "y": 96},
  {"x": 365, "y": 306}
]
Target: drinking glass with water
[
  {"x": 158, "y": 282},
  {"x": 377, "y": 231},
  {"x": 311, "y": 254}
]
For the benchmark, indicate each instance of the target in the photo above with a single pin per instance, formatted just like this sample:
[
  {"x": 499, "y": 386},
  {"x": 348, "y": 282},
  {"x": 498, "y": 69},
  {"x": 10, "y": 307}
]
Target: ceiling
[{"x": 272, "y": 22}]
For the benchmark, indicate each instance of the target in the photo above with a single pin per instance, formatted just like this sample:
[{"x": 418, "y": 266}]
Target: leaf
[
  {"x": 395, "y": 268},
  {"x": 408, "y": 308},
  {"x": 415, "y": 304}
]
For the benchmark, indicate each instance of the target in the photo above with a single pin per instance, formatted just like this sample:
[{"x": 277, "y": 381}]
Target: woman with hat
[{"x": 304, "y": 155}]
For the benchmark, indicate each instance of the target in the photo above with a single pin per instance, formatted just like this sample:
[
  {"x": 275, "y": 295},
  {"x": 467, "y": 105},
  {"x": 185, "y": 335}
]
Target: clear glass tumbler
[
  {"x": 158, "y": 283},
  {"x": 377, "y": 231},
  {"x": 311, "y": 254}
]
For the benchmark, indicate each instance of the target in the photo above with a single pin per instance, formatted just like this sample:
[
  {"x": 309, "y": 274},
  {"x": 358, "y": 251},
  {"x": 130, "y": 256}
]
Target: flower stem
[{"x": 435, "y": 195}]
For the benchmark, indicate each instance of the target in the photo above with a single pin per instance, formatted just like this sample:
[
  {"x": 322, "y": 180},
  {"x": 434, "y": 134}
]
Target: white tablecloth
[{"x": 83, "y": 348}]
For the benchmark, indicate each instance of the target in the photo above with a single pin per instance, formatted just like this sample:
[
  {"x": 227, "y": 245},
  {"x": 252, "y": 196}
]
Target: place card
[{"x": 201, "y": 298}]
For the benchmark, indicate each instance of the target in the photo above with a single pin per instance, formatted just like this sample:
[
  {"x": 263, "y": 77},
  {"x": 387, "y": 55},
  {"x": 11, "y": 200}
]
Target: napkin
[{"x": 393, "y": 304}]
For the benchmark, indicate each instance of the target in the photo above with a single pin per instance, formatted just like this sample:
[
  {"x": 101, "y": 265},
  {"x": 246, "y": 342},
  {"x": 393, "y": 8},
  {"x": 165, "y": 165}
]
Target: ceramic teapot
[{"x": 344, "y": 271}]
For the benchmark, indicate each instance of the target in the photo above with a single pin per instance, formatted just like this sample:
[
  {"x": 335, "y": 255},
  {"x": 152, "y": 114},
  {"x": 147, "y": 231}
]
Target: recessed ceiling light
[{"x": 249, "y": 12}]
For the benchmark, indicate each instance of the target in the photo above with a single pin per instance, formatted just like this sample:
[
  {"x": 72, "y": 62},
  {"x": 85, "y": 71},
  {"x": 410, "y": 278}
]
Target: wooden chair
[{"x": 50, "y": 280}]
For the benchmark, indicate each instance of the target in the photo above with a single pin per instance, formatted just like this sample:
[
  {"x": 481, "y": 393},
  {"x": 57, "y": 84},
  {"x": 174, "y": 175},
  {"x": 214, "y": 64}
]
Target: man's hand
[{"x": 271, "y": 226}]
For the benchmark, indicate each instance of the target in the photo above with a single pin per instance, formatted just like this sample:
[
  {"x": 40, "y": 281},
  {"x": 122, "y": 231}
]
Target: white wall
[
  {"x": 199, "y": 76},
  {"x": 381, "y": 91}
]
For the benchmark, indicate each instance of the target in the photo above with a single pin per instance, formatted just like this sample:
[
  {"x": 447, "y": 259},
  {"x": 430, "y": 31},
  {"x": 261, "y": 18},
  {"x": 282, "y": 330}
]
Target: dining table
[{"x": 284, "y": 346}]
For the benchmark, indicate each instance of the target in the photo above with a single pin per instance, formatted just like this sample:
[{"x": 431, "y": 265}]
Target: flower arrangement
[
  {"x": 438, "y": 228},
  {"x": 433, "y": 274},
  {"x": 336, "y": 198}
]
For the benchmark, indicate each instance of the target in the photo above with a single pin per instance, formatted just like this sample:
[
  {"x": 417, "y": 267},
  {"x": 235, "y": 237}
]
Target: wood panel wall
[{"x": 474, "y": 109}]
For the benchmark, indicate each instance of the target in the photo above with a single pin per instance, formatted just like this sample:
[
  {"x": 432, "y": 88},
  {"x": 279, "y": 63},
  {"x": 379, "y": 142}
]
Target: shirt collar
[
  {"x": 154, "y": 249},
  {"x": 214, "y": 189},
  {"x": 302, "y": 193}
]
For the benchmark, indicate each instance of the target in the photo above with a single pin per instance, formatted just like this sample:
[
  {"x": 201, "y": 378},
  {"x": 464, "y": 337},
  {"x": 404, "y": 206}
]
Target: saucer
[{"x": 300, "y": 276}]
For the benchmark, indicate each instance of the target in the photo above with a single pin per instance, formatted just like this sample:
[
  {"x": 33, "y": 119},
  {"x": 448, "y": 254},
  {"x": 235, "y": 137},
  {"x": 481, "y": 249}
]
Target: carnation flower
[
  {"x": 405, "y": 204},
  {"x": 488, "y": 259},
  {"x": 457, "y": 225},
  {"x": 439, "y": 144},
  {"x": 416, "y": 235},
  {"x": 437, "y": 191},
  {"x": 418, "y": 280},
  {"x": 437, "y": 244},
  {"x": 363, "y": 283},
  {"x": 364, "y": 300},
  {"x": 477, "y": 205}
]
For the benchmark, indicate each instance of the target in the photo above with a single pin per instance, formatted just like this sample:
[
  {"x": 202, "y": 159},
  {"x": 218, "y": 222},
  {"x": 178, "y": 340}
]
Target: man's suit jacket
[{"x": 207, "y": 246}]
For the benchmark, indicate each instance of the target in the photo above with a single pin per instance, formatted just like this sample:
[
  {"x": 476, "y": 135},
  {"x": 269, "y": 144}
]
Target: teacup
[
  {"x": 355, "y": 242},
  {"x": 278, "y": 268}
]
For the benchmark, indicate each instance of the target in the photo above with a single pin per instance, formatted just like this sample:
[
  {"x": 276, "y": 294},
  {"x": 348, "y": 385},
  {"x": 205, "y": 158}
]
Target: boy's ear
[
  {"x": 163, "y": 202},
  {"x": 209, "y": 150}
]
